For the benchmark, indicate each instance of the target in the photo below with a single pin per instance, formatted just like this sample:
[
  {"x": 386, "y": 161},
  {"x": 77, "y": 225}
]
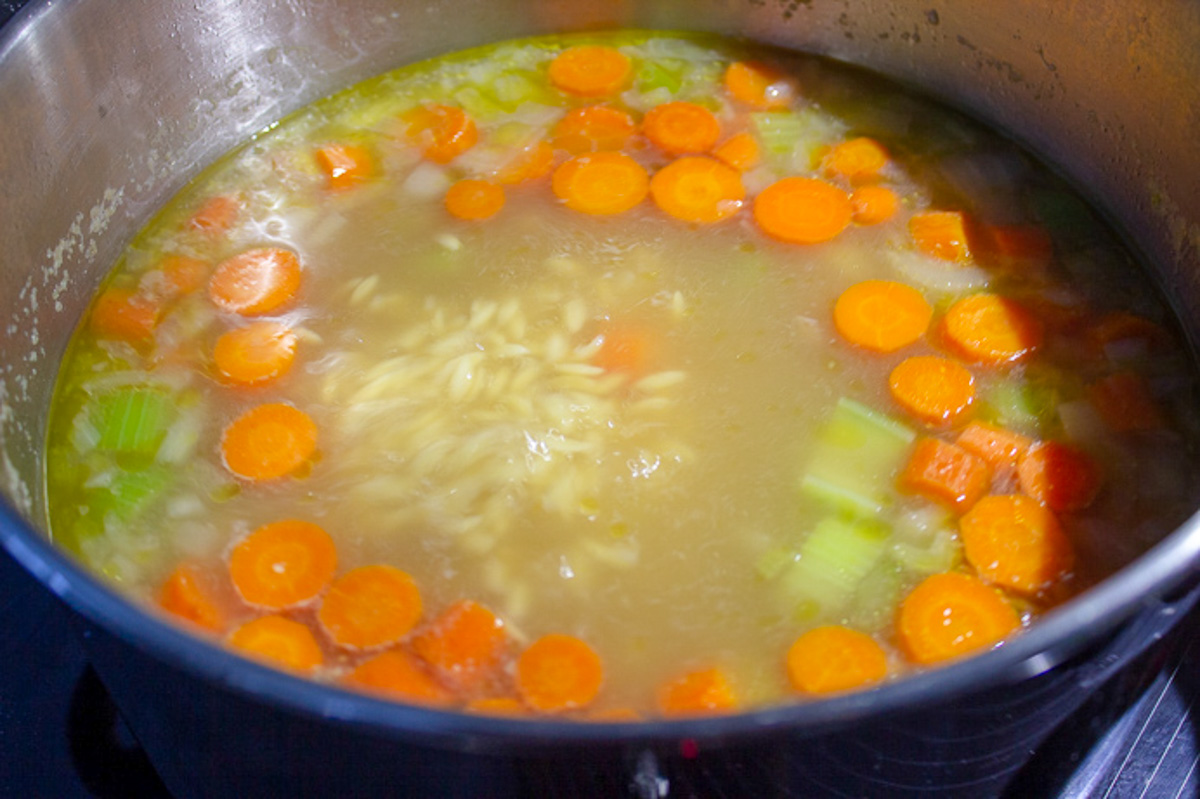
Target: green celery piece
[
  {"x": 133, "y": 491},
  {"x": 855, "y": 458},
  {"x": 779, "y": 131},
  {"x": 665, "y": 74},
  {"x": 834, "y": 559},
  {"x": 478, "y": 104},
  {"x": 795, "y": 136},
  {"x": 1023, "y": 406},
  {"x": 942, "y": 554},
  {"x": 133, "y": 420}
]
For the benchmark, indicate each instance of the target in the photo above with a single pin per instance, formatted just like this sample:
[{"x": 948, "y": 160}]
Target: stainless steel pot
[{"x": 106, "y": 109}]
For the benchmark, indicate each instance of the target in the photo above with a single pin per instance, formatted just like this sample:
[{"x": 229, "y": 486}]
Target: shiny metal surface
[{"x": 106, "y": 109}]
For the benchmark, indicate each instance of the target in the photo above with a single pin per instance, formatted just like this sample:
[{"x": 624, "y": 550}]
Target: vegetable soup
[{"x": 620, "y": 376}]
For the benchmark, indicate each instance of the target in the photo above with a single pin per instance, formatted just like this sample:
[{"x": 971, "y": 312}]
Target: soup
[{"x": 619, "y": 376}]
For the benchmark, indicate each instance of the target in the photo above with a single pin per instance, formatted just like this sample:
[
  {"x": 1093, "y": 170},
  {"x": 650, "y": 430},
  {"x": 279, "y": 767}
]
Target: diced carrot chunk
[{"x": 946, "y": 473}]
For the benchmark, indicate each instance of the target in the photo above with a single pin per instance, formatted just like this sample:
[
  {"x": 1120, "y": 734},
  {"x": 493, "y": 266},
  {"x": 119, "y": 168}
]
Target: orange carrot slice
[
  {"x": 1015, "y": 542},
  {"x": 529, "y": 163},
  {"x": 268, "y": 442},
  {"x": 474, "y": 199},
  {"x": 283, "y": 564},
  {"x": 370, "y": 606},
  {"x": 255, "y": 281},
  {"x": 593, "y": 128},
  {"x": 217, "y": 214},
  {"x": 802, "y": 210},
  {"x": 698, "y": 693},
  {"x": 949, "y": 615},
  {"x": 1059, "y": 475},
  {"x": 873, "y": 205},
  {"x": 681, "y": 128},
  {"x": 857, "y": 160},
  {"x": 935, "y": 390},
  {"x": 590, "y": 70},
  {"x": 601, "y": 183},
  {"x": 124, "y": 315},
  {"x": 991, "y": 329},
  {"x": 187, "y": 594},
  {"x": 698, "y": 189},
  {"x": 1124, "y": 402},
  {"x": 626, "y": 348},
  {"x": 881, "y": 315},
  {"x": 255, "y": 354},
  {"x": 464, "y": 645},
  {"x": 175, "y": 276},
  {"x": 398, "y": 675},
  {"x": 345, "y": 165},
  {"x": 557, "y": 673},
  {"x": 946, "y": 474},
  {"x": 998, "y": 447},
  {"x": 941, "y": 234},
  {"x": 759, "y": 86},
  {"x": 832, "y": 658},
  {"x": 443, "y": 132},
  {"x": 278, "y": 642},
  {"x": 740, "y": 151}
]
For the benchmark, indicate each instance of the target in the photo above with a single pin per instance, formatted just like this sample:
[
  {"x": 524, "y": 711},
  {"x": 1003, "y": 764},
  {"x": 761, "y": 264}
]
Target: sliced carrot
[
  {"x": 283, "y": 564},
  {"x": 941, "y": 234},
  {"x": 933, "y": 389},
  {"x": 991, "y": 329},
  {"x": 345, "y": 165},
  {"x": 740, "y": 151},
  {"x": 593, "y": 128},
  {"x": 474, "y": 199},
  {"x": 370, "y": 606},
  {"x": 559, "y": 672},
  {"x": 217, "y": 214},
  {"x": 175, "y": 276},
  {"x": 832, "y": 658},
  {"x": 873, "y": 205},
  {"x": 269, "y": 441},
  {"x": 949, "y": 615},
  {"x": 857, "y": 160},
  {"x": 999, "y": 448},
  {"x": 187, "y": 594},
  {"x": 681, "y": 128},
  {"x": 626, "y": 348},
  {"x": 802, "y": 210},
  {"x": 946, "y": 474},
  {"x": 443, "y": 132},
  {"x": 278, "y": 642},
  {"x": 1124, "y": 401},
  {"x": 255, "y": 354},
  {"x": 497, "y": 706},
  {"x": 759, "y": 86},
  {"x": 881, "y": 315},
  {"x": 529, "y": 163},
  {"x": 464, "y": 645},
  {"x": 399, "y": 675},
  {"x": 601, "y": 183},
  {"x": 698, "y": 189},
  {"x": 1016, "y": 543},
  {"x": 256, "y": 281},
  {"x": 124, "y": 315},
  {"x": 698, "y": 693},
  {"x": 590, "y": 70},
  {"x": 1061, "y": 476}
]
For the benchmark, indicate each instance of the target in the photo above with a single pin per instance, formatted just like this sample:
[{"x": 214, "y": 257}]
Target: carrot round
[
  {"x": 945, "y": 473},
  {"x": 279, "y": 642},
  {"x": 952, "y": 614},
  {"x": 398, "y": 675},
  {"x": 991, "y": 329},
  {"x": 698, "y": 189},
  {"x": 254, "y": 354},
  {"x": 255, "y": 281},
  {"x": 698, "y": 693},
  {"x": 856, "y": 160},
  {"x": 464, "y": 645},
  {"x": 217, "y": 214},
  {"x": 1015, "y": 542},
  {"x": 681, "y": 128},
  {"x": 593, "y": 128},
  {"x": 474, "y": 199},
  {"x": 344, "y": 165},
  {"x": 590, "y": 70},
  {"x": 283, "y": 564},
  {"x": 176, "y": 276},
  {"x": 186, "y": 594},
  {"x": 832, "y": 658},
  {"x": 443, "y": 132},
  {"x": 941, "y": 234},
  {"x": 935, "y": 390},
  {"x": 881, "y": 315},
  {"x": 873, "y": 205},
  {"x": 370, "y": 606},
  {"x": 559, "y": 672},
  {"x": 1000, "y": 448},
  {"x": 1060, "y": 476},
  {"x": 529, "y": 163},
  {"x": 802, "y": 210},
  {"x": 740, "y": 151},
  {"x": 124, "y": 315},
  {"x": 759, "y": 86},
  {"x": 269, "y": 441},
  {"x": 601, "y": 183}
]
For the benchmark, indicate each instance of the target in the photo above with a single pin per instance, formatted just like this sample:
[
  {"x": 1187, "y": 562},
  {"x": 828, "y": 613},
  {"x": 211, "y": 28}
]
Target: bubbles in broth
[{"x": 619, "y": 376}]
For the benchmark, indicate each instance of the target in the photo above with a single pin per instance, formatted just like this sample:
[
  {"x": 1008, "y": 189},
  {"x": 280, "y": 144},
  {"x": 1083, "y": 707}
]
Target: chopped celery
[
  {"x": 663, "y": 74},
  {"x": 941, "y": 554},
  {"x": 133, "y": 420},
  {"x": 131, "y": 492},
  {"x": 833, "y": 561},
  {"x": 512, "y": 89},
  {"x": 795, "y": 137},
  {"x": 855, "y": 458},
  {"x": 478, "y": 104},
  {"x": 1021, "y": 405}
]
